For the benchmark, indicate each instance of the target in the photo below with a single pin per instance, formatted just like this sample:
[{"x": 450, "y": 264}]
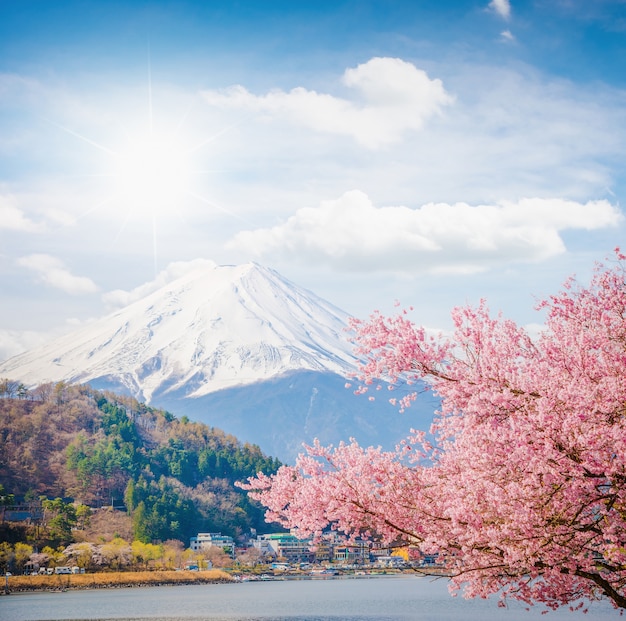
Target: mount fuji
[{"x": 236, "y": 347}]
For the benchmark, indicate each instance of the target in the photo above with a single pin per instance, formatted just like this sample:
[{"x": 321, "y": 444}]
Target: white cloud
[
  {"x": 350, "y": 233},
  {"x": 501, "y": 7},
  {"x": 120, "y": 298},
  {"x": 53, "y": 273},
  {"x": 392, "y": 96},
  {"x": 12, "y": 217},
  {"x": 507, "y": 36},
  {"x": 511, "y": 132}
]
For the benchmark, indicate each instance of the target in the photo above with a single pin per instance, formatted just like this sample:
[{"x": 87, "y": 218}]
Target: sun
[
  {"x": 150, "y": 176},
  {"x": 152, "y": 172},
  {"x": 153, "y": 169}
]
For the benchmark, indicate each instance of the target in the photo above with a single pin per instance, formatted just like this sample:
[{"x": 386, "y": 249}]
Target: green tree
[
  {"x": 83, "y": 516},
  {"x": 129, "y": 496},
  {"x": 141, "y": 530},
  {"x": 161, "y": 512},
  {"x": 60, "y": 518},
  {"x": 22, "y": 391}
]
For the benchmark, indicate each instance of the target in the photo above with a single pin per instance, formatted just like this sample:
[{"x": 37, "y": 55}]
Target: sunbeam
[{"x": 152, "y": 171}]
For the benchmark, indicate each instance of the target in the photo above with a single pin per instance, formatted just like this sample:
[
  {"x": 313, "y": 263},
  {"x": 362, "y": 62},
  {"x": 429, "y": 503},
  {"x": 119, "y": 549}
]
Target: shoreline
[
  {"x": 130, "y": 579},
  {"x": 112, "y": 580}
]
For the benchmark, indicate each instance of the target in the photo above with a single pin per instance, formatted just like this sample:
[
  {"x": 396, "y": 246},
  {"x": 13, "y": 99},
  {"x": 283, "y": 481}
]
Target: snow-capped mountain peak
[{"x": 213, "y": 328}]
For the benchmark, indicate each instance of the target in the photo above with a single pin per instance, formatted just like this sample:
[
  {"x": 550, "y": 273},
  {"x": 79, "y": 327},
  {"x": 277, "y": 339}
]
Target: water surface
[{"x": 400, "y": 598}]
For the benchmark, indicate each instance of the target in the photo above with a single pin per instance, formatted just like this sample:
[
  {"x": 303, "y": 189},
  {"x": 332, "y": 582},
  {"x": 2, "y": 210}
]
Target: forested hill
[{"x": 174, "y": 476}]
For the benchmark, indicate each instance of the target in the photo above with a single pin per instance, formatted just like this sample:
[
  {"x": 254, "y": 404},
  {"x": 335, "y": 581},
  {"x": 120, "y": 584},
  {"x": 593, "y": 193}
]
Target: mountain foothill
[{"x": 174, "y": 477}]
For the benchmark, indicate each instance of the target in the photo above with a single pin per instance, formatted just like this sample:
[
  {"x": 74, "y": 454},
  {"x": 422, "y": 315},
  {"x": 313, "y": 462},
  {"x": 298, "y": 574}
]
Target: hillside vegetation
[{"x": 173, "y": 476}]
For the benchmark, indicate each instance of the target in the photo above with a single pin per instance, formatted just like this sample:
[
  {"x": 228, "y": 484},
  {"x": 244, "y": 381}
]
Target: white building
[{"x": 208, "y": 540}]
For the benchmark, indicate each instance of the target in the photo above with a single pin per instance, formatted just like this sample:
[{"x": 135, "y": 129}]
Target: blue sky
[{"x": 428, "y": 152}]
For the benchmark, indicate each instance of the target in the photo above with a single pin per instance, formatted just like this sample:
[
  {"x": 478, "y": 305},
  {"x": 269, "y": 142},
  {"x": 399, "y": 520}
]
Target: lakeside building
[
  {"x": 202, "y": 541},
  {"x": 354, "y": 553},
  {"x": 285, "y": 546},
  {"x": 324, "y": 551}
]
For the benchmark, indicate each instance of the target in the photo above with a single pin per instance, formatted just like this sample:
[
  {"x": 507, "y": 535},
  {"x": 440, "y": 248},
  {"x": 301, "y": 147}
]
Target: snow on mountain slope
[{"x": 214, "y": 328}]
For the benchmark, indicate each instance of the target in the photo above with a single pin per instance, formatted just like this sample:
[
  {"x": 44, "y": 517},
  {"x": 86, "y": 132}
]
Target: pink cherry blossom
[{"x": 523, "y": 493}]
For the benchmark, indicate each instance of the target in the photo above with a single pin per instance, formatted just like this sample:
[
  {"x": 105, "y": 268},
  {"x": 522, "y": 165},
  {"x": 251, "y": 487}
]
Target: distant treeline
[{"x": 175, "y": 477}]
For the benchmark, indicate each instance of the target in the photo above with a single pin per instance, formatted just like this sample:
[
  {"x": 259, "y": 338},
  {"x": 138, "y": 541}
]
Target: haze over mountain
[{"x": 236, "y": 347}]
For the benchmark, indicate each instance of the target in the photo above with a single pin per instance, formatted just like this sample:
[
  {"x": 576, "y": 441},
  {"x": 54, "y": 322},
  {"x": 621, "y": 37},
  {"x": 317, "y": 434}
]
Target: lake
[{"x": 397, "y": 598}]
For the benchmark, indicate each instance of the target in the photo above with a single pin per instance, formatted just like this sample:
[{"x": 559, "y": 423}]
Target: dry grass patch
[{"x": 115, "y": 580}]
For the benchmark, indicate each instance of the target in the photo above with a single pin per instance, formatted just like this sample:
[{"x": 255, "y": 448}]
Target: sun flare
[{"x": 152, "y": 174}]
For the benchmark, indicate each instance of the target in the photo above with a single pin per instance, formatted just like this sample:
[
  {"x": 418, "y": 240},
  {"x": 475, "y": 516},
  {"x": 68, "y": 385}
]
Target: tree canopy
[
  {"x": 74, "y": 443},
  {"x": 521, "y": 485}
]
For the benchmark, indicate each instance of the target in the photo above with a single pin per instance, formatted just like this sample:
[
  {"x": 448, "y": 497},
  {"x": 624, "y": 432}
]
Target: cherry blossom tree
[{"x": 522, "y": 490}]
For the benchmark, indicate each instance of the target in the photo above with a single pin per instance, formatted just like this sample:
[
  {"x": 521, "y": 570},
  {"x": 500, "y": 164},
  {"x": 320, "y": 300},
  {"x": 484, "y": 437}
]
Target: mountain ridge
[{"x": 252, "y": 325}]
